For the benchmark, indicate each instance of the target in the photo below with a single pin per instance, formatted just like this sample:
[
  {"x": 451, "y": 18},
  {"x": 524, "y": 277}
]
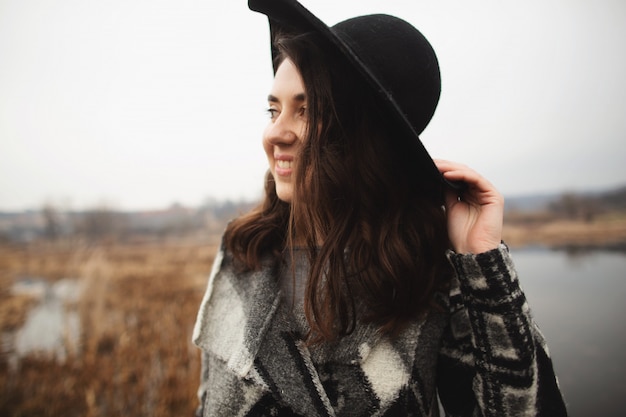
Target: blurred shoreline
[{"x": 602, "y": 233}]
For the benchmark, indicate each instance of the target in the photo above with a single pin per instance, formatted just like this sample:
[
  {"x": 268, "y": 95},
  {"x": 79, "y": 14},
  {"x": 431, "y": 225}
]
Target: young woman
[{"x": 371, "y": 281}]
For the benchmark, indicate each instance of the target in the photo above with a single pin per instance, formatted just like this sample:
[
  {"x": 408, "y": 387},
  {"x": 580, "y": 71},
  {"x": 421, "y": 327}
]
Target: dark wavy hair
[{"x": 373, "y": 223}]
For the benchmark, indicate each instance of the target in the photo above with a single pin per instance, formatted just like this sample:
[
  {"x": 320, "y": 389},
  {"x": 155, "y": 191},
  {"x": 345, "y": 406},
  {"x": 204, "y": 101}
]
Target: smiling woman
[{"x": 367, "y": 282}]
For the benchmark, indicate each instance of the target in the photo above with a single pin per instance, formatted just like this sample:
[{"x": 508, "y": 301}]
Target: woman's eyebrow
[{"x": 301, "y": 97}]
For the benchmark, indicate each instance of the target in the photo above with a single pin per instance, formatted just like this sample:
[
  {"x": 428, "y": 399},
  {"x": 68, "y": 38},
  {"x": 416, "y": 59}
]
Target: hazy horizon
[{"x": 66, "y": 204}]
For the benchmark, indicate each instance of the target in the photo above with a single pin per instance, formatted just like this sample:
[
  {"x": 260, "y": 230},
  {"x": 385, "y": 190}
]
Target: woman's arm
[{"x": 494, "y": 360}]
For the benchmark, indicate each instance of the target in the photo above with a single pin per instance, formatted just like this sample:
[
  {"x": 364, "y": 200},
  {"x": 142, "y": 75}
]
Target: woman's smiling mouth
[{"x": 283, "y": 166}]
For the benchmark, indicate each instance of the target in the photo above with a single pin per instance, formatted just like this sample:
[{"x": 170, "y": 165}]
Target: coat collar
[
  {"x": 238, "y": 308},
  {"x": 235, "y": 313},
  {"x": 243, "y": 322}
]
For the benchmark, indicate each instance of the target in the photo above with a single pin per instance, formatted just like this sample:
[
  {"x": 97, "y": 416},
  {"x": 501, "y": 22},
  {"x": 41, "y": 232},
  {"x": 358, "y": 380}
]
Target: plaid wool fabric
[{"x": 481, "y": 355}]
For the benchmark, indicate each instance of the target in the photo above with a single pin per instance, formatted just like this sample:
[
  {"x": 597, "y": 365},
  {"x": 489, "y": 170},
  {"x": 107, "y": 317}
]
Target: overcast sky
[{"x": 140, "y": 103}]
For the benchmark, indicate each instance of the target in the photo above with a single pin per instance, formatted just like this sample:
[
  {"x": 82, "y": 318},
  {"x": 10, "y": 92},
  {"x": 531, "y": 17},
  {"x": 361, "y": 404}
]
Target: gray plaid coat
[{"x": 481, "y": 355}]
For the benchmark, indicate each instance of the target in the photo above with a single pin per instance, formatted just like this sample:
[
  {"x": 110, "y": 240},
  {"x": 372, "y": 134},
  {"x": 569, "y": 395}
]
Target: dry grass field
[
  {"x": 134, "y": 356},
  {"x": 605, "y": 231}
]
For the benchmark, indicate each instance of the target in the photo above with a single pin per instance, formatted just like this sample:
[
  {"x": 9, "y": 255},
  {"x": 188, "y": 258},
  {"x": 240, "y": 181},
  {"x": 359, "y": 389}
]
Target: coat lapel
[
  {"x": 234, "y": 314},
  {"x": 285, "y": 364},
  {"x": 243, "y": 322}
]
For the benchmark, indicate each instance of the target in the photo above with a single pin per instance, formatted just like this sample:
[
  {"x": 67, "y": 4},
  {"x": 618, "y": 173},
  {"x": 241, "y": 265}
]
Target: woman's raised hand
[{"x": 474, "y": 217}]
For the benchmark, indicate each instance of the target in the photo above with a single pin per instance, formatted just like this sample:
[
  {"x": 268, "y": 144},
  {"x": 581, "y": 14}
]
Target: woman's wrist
[{"x": 476, "y": 248}]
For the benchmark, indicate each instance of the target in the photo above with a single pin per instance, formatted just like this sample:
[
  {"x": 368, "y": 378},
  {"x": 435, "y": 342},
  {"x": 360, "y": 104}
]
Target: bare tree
[
  {"x": 100, "y": 223},
  {"x": 573, "y": 206},
  {"x": 52, "y": 221}
]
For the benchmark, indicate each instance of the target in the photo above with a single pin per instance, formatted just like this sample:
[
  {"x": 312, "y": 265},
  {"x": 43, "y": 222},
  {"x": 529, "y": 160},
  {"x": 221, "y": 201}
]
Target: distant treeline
[
  {"x": 575, "y": 206},
  {"x": 98, "y": 223},
  {"x": 105, "y": 223}
]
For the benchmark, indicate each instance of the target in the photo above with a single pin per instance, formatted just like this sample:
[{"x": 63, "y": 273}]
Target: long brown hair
[{"x": 374, "y": 226}]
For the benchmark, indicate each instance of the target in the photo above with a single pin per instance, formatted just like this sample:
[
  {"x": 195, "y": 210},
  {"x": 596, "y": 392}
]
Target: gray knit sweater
[{"x": 482, "y": 355}]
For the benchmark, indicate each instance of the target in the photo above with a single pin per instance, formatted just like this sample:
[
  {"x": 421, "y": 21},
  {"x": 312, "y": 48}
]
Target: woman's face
[{"x": 284, "y": 133}]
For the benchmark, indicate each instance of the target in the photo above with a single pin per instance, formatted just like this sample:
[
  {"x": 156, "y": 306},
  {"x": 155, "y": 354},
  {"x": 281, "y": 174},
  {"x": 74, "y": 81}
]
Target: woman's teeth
[{"x": 283, "y": 164}]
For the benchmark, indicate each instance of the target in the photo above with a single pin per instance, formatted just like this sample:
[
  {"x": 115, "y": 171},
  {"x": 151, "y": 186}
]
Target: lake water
[
  {"x": 579, "y": 302},
  {"x": 52, "y": 326}
]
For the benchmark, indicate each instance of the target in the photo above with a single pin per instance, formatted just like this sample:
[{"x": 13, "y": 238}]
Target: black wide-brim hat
[{"x": 394, "y": 58}]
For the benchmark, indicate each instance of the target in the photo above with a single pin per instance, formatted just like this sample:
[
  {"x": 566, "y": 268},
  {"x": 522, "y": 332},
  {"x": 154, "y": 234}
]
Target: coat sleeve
[{"x": 494, "y": 360}]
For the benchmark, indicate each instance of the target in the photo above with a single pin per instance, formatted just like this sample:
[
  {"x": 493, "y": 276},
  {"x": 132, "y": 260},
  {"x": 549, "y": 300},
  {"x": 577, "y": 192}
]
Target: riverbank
[
  {"x": 606, "y": 232},
  {"x": 122, "y": 345}
]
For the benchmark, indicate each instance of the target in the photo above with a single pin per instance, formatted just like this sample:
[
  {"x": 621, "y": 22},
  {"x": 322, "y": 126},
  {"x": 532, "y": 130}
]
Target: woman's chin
[{"x": 284, "y": 193}]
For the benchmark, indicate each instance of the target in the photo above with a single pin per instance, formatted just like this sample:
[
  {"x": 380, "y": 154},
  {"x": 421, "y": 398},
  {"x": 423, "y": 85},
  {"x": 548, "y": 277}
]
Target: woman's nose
[{"x": 282, "y": 132}]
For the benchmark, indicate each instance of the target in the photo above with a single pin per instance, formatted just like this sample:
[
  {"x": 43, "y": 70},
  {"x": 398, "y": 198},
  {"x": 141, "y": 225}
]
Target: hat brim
[{"x": 291, "y": 17}]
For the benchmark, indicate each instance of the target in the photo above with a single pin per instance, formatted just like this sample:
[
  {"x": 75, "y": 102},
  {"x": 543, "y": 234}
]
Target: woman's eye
[
  {"x": 273, "y": 113},
  {"x": 302, "y": 111}
]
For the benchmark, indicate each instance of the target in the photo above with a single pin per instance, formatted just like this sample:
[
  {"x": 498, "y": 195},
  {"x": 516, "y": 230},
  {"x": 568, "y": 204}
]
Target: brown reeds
[
  {"x": 137, "y": 308},
  {"x": 545, "y": 230}
]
